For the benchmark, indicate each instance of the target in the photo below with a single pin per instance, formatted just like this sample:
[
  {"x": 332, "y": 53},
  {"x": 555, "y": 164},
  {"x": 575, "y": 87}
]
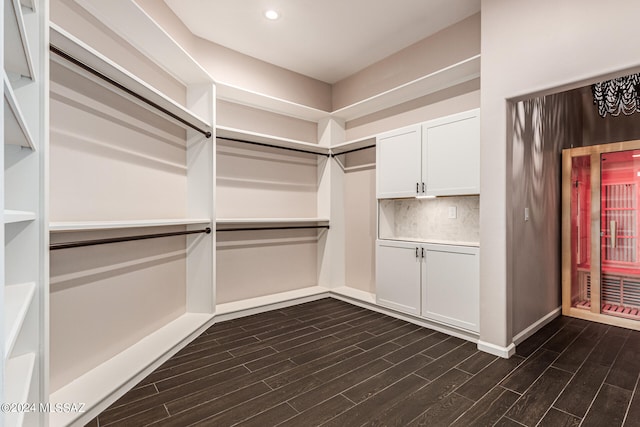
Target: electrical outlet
[{"x": 453, "y": 212}]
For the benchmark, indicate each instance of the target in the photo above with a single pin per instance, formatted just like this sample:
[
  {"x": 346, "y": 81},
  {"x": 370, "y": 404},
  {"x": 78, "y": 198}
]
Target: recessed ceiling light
[{"x": 271, "y": 14}]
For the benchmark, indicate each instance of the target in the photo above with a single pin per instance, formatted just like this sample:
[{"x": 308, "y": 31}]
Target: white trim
[
  {"x": 497, "y": 350},
  {"x": 537, "y": 325},
  {"x": 248, "y": 307}
]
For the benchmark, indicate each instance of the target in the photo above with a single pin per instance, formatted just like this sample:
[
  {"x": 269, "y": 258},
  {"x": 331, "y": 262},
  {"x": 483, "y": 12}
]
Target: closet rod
[
  {"x": 68, "y": 245},
  {"x": 273, "y": 228},
  {"x": 263, "y": 144},
  {"x": 109, "y": 80},
  {"x": 352, "y": 151}
]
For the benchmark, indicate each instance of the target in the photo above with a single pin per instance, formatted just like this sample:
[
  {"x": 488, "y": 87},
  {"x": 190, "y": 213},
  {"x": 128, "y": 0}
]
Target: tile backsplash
[{"x": 429, "y": 219}]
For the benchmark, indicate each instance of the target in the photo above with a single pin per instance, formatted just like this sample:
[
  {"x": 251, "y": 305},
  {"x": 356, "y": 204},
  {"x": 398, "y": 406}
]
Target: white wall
[{"x": 531, "y": 48}]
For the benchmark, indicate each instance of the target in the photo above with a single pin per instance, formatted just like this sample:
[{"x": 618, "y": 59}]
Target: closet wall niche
[
  {"x": 268, "y": 227},
  {"x": 131, "y": 197}
]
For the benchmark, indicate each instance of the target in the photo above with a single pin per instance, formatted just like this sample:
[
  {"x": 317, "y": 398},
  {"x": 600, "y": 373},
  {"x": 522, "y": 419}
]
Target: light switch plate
[
  {"x": 453, "y": 212},
  {"x": 526, "y": 214}
]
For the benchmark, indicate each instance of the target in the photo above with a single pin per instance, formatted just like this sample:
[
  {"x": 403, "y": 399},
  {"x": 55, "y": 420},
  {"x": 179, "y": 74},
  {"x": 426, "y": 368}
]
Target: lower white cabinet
[
  {"x": 434, "y": 281},
  {"x": 398, "y": 275},
  {"x": 451, "y": 285}
]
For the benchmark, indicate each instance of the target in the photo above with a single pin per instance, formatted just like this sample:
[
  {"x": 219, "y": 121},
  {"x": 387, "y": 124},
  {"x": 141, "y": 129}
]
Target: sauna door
[{"x": 601, "y": 265}]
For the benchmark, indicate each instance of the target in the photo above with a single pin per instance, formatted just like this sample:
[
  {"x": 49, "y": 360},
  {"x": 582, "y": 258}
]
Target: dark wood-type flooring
[{"x": 330, "y": 363}]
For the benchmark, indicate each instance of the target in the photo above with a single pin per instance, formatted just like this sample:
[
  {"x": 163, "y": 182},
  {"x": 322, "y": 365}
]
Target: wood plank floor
[{"x": 330, "y": 363}]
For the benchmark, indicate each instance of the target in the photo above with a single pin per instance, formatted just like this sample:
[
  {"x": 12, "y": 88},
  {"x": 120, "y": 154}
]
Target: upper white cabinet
[
  {"x": 451, "y": 154},
  {"x": 437, "y": 158},
  {"x": 399, "y": 165}
]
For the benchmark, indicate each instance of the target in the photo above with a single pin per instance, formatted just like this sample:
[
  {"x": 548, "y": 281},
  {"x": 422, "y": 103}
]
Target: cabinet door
[
  {"x": 398, "y": 166},
  {"x": 398, "y": 276},
  {"x": 451, "y": 285},
  {"x": 451, "y": 154}
]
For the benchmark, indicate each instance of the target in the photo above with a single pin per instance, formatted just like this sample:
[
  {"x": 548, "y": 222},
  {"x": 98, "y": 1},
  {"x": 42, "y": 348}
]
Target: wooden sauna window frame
[{"x": 594, "y": 313}]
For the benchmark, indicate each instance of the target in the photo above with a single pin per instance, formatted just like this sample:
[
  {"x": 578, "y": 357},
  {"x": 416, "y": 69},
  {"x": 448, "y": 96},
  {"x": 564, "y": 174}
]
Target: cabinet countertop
[{"x": 434, "y": 241}]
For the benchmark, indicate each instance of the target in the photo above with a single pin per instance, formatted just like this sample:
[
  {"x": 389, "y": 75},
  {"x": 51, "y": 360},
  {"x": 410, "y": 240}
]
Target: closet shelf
[
  {"x": 18, "y": 374},
  {"x": 463, "y": 71},
  {"x": 81, "y": 52},
  {"x": 11, "y": 216},
  {"x": 17, "y": 301},
  {"x": 247, "y": 221},
  {"x": 17, "y": 55},
  {"x": 16, "y": 131},
  {"x": 60, "y": 226},
  {"x": 225, "y": 132},
  {"x": 355, "y": 145}
]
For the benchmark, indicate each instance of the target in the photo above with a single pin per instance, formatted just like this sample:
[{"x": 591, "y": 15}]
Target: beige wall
[
  {"x": 447, "y": 47},
  {"x": 526, "y": 47},
  {"x": 360, "y": 220}
]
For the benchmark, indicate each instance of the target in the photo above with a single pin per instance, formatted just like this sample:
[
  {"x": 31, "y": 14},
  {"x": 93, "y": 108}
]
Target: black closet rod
[
  {"x": 352, "y": 151},
  {"x": 263, "y": 144},
  {"x": 109, "y": 80},
  {"x": 297, "y": 227},
  {"x": 79, "y": 244}
]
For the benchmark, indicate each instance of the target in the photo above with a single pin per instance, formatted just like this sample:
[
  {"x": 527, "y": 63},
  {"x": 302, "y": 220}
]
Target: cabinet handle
[
  {"x": 422, "y": 252},
  {"x": 416, "y": 252},
  {"x": 417, "y": 188},
  {"x": 423, "y": 187}
]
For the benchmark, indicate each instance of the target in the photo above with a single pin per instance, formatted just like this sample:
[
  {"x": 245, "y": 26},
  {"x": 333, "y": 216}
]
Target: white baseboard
[
  {"x": 496, "y": 350},
  {"x": 248, "y": 307},
  {"x": 536, "y": 326}
]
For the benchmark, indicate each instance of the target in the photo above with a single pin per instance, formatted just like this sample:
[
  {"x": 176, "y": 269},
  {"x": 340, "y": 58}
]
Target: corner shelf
[
  {"x": 17, "y": 301},
  {"x": 17, "y": 53},
  {"x": 260, "y": 138},
  {"x": 12, "y": 217},
  {"x": 61, "y": 226},
  {"x": 18, "y": 375},
  {"x": 16, "y": 131}
]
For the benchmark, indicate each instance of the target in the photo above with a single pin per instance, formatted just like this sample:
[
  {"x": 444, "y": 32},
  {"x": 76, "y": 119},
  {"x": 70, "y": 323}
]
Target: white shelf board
[
  {"x": 16, "y": 131},
  {"x": 353, "y": 145},
  {"x": 232, "y": 133},
  {"x": 11, "y": 216},
  {"x": 452, "y": 75},
  {"x": 238, "y": 95},
  {"x": 17, "y": 55},
  {"x": 270, "y": 220},
  {"x": 18, "y": 374},
  {"x": 18, "y": 299},
  {"x": 59, "y": 226},
  {"x": 87, "y": 55},
  {"x": 97, "y": 386},
  {"x": 133, "y": 24}
]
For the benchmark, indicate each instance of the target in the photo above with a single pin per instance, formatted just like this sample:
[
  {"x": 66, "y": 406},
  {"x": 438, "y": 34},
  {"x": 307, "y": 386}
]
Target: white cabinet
[
  {"x": 398, "y": 275},
  {"x": 398, "y": 163},
  {"x": 437, "y": 282},
  {"x": 451, "y": 155},
  {"x": 451, "y": 285},
  {"x": 437, "y": 158}
]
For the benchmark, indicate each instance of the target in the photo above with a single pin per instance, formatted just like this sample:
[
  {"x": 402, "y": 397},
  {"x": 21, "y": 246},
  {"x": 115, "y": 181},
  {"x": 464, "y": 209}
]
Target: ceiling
[{"x": 324, "y": 39}]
